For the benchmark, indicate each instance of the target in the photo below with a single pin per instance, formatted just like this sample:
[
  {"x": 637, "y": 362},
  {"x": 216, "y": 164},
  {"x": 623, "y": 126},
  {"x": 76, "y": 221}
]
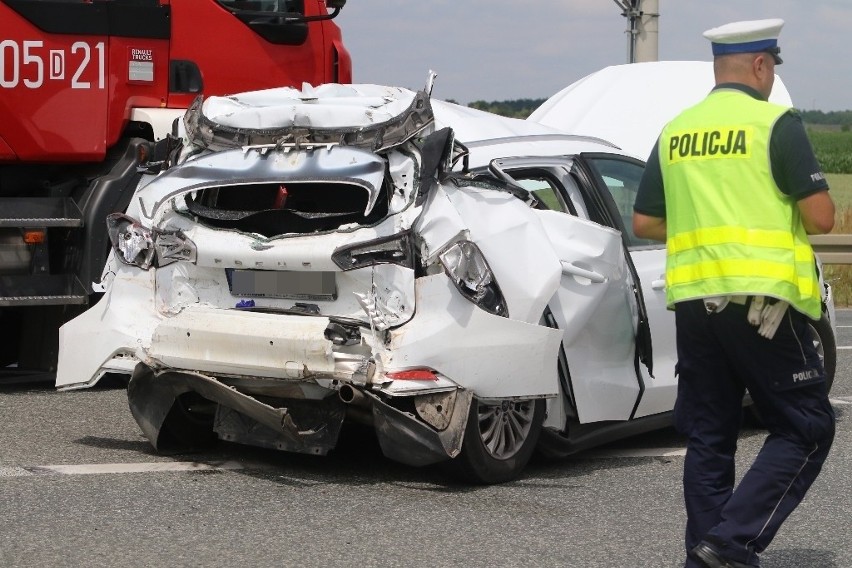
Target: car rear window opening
[{"x": 271, "y": 209}]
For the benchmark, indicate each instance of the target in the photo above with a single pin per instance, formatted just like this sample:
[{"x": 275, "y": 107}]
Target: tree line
[
  {"x": 831, "y": 137},
  {"x": 516, "y": 108},
  {"x": 842, "y": 118},
  {"x": 522, "y": 108}
]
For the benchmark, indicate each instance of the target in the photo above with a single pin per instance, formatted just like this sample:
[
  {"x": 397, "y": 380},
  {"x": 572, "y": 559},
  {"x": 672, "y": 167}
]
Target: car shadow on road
[
  {"x": 358, "y": 460},
  {"x": 136, "y": 446}
]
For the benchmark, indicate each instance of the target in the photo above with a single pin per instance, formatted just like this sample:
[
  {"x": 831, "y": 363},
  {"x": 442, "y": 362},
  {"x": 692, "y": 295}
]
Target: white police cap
[{"x": 747, "y": 37}]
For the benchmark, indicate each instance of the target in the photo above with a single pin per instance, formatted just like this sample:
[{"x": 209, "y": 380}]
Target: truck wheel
[
  {"x": 499, "y": 440},
  {"x": 10, "y": 337}
]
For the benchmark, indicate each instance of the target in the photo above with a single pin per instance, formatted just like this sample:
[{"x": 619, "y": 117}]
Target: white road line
[
  {"x": 844, "y": 347},
  {"x": 841, "y": 400},
  {"x": 634, "y": 453},
  {"x": 102, "y": 468}
]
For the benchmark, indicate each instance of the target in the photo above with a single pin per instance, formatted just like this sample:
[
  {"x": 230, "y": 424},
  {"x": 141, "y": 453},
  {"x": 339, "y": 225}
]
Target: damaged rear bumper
[{"x": 300, "y": 425}]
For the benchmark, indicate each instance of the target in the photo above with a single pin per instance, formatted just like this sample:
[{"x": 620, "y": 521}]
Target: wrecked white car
[{"x": 466, "y": 284}]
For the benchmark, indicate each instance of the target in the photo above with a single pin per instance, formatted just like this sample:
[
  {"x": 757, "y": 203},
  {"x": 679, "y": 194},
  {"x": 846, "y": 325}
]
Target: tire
[
  {"x": 10, "y": 336},
  {"x": 499, "y": 440},
  {"x": 826, "y": 346}
]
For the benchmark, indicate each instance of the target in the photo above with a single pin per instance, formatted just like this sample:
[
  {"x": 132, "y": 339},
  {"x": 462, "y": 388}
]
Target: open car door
[{"x": 597, "y": 306}]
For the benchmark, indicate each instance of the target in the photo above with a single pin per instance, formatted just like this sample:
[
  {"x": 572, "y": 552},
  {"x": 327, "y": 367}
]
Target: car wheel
[
  {"x": 823, "y": 338},
  {"x": 826, "y": 347},
  {"x": 499, "y": 439}
]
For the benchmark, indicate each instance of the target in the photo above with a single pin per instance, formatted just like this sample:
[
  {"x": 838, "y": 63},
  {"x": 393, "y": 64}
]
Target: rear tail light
[
  {"x": 413, "y": 375},
  {"x": 143, "y": 247},
  {"x": 397, "y": 249},
  {"x": 467, "y": 268},
  {"x": 133, "y": 243}
]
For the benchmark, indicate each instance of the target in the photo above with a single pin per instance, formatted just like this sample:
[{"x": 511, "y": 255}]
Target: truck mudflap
[
  {"x": 405, "y": 439},
  {"x": 151, "y": 396}
]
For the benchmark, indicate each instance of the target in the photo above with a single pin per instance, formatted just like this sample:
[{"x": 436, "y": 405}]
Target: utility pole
[{"x": 642, "y": 29}]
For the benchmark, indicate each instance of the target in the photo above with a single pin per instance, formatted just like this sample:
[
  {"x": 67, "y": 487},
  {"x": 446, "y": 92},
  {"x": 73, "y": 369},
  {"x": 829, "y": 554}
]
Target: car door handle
[
  {"x": 573, "y": 269},
  {"x": 658, "y": 284}
]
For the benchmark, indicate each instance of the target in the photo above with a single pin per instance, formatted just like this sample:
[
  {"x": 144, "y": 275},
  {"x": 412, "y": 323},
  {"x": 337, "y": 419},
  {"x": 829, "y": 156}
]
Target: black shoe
[{"x": 708, "y": 556}]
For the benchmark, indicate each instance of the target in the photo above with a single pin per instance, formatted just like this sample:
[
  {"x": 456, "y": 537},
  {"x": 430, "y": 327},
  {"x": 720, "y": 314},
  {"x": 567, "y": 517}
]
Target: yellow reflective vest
[{"x": 730, "y": 230}]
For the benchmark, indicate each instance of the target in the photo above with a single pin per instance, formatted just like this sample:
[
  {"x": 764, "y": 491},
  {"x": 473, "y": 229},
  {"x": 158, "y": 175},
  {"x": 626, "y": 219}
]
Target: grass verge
[{"x": 840, "y": 275}]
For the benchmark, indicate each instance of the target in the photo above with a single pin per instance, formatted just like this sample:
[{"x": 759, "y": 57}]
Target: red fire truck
[{"x": 86, "y": 88}]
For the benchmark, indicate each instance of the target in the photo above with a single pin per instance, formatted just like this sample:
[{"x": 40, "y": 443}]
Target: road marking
[
  {"x": 841, "y": 400},
  {"x": 845, "y": 347},
  {"x": 634, "y": 453},
  {"x": 103, "y": 468}
]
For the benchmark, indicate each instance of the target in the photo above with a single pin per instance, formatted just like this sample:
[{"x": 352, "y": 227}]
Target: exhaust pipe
[
  {"x": 352, "y": 396},
  {"x": 358, "y": 406}
]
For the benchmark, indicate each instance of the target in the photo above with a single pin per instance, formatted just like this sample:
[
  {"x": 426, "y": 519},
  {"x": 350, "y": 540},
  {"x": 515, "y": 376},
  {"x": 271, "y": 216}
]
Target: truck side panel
[
  {"x": 64, "y": 69},
  {"x": 81, "y": 82},
  {"x": 233, "y": 58}
]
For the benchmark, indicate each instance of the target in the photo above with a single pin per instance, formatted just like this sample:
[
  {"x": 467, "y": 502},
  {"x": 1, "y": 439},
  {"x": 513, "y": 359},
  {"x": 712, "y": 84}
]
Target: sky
[{"x": 501, "y": 49}]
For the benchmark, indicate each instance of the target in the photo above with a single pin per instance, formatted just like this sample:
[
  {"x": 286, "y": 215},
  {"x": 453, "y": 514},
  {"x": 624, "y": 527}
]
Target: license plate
[{"x": 283, "y": 284}]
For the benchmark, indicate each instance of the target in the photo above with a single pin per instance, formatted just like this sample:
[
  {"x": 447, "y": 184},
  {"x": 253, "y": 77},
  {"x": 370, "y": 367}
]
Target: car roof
[{"x": 488, "y": 136}]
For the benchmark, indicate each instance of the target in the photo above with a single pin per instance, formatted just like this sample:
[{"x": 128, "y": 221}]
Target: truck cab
[{"x": 86, "y": 88}]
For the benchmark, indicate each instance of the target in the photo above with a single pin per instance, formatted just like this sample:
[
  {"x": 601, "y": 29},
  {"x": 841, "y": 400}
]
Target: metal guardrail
[{"x": 832, "y": 249}]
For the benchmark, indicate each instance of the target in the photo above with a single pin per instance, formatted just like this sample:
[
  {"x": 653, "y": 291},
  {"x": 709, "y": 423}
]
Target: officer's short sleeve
[
  {"x": 794, "y": 165},
  {"x": 651, "y": 197}
]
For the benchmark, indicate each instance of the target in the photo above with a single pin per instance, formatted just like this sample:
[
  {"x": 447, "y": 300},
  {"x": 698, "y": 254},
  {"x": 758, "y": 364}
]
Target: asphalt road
[{"x": 80, "y": 486}]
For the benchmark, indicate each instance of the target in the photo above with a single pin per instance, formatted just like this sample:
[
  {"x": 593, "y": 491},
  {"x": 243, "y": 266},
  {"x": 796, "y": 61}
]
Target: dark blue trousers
[{"x": 719, "y": 356}]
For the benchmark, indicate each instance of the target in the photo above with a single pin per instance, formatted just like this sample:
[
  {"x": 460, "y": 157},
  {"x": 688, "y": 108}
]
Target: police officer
[{"x": 733, "y": 188}]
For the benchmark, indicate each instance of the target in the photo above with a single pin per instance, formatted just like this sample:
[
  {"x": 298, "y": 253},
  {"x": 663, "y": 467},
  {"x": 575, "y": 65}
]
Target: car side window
[
  {"x": 622, "y": 179},
  {"x": 555, "y": 189},
  {"x": 545, "y": 192}
]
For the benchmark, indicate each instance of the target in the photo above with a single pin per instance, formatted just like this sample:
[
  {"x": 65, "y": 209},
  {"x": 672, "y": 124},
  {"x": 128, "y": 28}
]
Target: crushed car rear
[{"x": 274, "y": 281}]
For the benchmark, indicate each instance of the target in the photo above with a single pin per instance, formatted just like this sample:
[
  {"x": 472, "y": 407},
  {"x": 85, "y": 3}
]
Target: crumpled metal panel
[
  {"x": 104, "y": 336},
  {"x": 596, "y": 312},
  {"x": 317, "y": 422},
  {"x": 284, "y": 122},
  {"x": 243, "y": 343},
  {"x": 492, "y": 356},
  {"x": 235, "y": 167},
  {"x": 516, "y": 246},
  {"x": 406, "y": 439},
  {"x": 506, "y": 231},
  {"x": 151, "y": 396}
]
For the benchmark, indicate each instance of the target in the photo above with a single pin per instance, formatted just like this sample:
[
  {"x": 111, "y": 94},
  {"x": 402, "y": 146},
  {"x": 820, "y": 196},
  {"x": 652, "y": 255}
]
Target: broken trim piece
[
  {"x": 152, "y": 394},
  {"x": 406, "y": 439}
]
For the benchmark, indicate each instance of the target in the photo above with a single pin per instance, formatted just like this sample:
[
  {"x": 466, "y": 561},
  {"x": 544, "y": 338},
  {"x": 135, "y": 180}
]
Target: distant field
[
  {"x": 834, "y": 149},
  {"x": 841, "y": 191}
]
